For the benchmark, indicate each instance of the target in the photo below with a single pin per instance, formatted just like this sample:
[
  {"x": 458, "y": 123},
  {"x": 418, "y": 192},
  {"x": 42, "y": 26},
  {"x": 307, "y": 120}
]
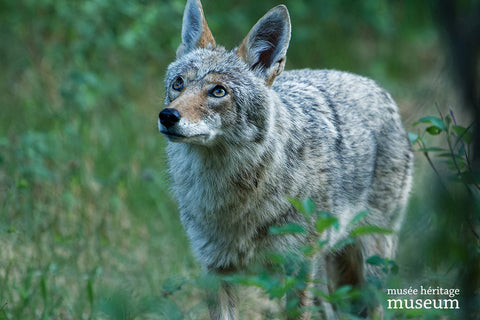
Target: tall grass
[{"x": 85, "y": 209}]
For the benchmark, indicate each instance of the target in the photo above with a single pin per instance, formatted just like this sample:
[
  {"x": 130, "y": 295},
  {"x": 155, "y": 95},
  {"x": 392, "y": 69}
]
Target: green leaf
[
  {"x": 305, "y": 207},
  {"x": 277, "y": 291},
  {"x": 431, "y": 149},
  {"x": 413, "y": 137},
  {"x": 392, "y": 267},
  {"x": 297, "y": 204},
  {"x": 276, "y": 258},
  {"x": 343, "y": 290},
  {"x": 90, "y": 291},
  {"x": 359, "y": 216},
  {"x": 340, "y": 294},
  {"x": 342, "y": 243},
  {"x": 463, "y": 133},
  {"x": 321, "y": 243},
  {"x": 446, "y": 155},
  {"x": 262, "y": 280},
  {"x": 434, "y": 130},
  {"x": 434, "y": 121},
  {"x": 308, "y": 251},
  {"x": 466, "y": 177},
  {"x": 43, "y": 287},
  {"x": 375, "y": 260},
  {"x": 324, "y": 223},
  {"x": 173, "y": 284},
  {"x": 309, "y": 206},
  {"x": 168, "y": 308},
  {"x": 368, "y": 229},
  {"x": 286, "y": 229}
]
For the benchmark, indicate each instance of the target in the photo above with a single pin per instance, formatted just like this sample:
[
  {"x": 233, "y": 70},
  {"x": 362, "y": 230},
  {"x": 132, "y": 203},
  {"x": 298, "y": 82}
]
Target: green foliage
[
  {"x": 457, "y": 154},
  {"x": 452, "y": 244},
  {"x": 388, "y": 266},
  {"x": 290, "y": 271},
  {"x": 287, "y": 228}
]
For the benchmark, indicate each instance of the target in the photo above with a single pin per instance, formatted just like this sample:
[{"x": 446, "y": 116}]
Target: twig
[
  {"x": 460, "y": 139},
  {"x": 430, "y": 162},
  {"x": 450, "y": 147},
  {"x": 470, "y": 223}
]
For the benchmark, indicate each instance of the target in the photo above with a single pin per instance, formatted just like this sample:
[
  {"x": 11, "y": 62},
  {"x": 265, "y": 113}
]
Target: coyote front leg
[{"x": 223, "y": 302}]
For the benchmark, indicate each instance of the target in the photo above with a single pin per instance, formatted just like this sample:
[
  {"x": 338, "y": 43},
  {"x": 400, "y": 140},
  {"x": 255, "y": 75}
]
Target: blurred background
[{"x": 88, "y": 228}]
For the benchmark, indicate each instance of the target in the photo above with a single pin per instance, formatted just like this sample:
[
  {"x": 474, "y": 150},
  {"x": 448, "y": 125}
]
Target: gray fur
[{"x": 331, "y": 136}]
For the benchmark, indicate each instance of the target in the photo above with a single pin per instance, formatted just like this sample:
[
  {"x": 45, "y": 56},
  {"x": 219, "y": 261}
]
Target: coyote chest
[{"x": 226, "y": 209}]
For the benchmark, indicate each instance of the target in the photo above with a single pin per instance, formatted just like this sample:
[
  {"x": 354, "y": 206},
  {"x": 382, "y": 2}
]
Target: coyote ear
[
  {"x": 195, "y": 31},
  {"x": 265, "y": 47}
]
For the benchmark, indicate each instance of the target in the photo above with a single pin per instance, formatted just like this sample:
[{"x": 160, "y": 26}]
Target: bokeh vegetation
[{"x": 88, "y": 228}]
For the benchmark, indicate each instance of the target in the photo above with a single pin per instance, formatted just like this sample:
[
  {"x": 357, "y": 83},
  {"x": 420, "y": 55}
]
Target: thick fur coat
[{"x": 244, "y": 136}]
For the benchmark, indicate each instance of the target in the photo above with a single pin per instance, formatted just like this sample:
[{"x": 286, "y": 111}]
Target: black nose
[{"x": 169, "y": 117}]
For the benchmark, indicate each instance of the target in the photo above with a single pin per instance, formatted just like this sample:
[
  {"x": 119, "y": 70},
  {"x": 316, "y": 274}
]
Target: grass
[{"x": 85, "y": 209}]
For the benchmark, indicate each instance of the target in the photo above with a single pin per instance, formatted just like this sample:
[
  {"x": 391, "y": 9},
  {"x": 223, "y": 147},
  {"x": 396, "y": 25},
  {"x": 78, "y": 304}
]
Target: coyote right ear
[
  {"x": 264, "y": 49},
  {"x": 195, "y": 31}
]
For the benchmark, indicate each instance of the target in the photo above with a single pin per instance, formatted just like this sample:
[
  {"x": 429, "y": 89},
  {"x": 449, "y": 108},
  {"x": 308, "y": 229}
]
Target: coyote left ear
[
  {"x": 195, "y": 31},
  {"x": 264, "y": 49}
]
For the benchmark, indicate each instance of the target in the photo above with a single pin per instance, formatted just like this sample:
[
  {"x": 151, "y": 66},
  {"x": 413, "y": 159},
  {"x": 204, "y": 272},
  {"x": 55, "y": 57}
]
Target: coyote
[{"x": 245, "y": 136}]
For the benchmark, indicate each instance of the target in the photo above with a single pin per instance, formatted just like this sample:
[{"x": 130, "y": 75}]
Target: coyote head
[{"x": 214, "y": 95}]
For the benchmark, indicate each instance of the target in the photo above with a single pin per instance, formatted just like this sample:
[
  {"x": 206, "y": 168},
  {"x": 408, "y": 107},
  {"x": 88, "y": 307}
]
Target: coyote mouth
[
  {"x": 169, "y": 134},
  {"x": 172, "y": 136},
  {"x": 175, "y": 137}
]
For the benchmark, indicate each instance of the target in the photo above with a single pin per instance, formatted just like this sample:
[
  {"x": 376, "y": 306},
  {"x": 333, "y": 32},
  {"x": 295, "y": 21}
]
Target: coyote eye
[
  {"x": 178, "y": 84},
  {"x": 218, "y": 92}
]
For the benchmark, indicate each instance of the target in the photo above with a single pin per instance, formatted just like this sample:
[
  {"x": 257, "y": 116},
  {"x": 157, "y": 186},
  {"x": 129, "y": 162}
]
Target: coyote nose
[{"x": 169, "y": 117}]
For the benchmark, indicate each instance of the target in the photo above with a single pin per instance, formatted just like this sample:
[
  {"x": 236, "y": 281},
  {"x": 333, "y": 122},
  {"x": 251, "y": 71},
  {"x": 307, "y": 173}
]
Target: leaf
[
  {"x": 340, "y": 294},
  {"x": 324, "y": 223},
  {"x": 343, "y": 290},
  {"x": 463, "y": 133},
  {"x": 321, "y": 243},
  {"x": 413, "y": 137},
  {"x": 309, "y": 206},
  {"x": 466, "y": 177},
  {"x": 368, "y": 229},
  {"x": 375, "y": 260},
  {"x": 276, "y": 259},
  {"x": 90, "y": 291},
  {"x": 173, "y": 284},
  {"x": 305, "y": 207},
  {"x": 448, "y": 119},
  {"x": 168, "y": 308},
  {"x": 359, "y": 216},
  {"x": 276, "y": 291},
  {"x": 448, "y": 155},
  {"x": 297, "y": 204},
  {"x": 392, "y": 267},
  {"x": 431, "y": 149},
  {"x": 262, "y": 280},
  {"x": 286, "y": 229},
  {"x": 342, "y": 243},
  {"x": 434, "y": 130},
  {"x": 434, "y": 121}
]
